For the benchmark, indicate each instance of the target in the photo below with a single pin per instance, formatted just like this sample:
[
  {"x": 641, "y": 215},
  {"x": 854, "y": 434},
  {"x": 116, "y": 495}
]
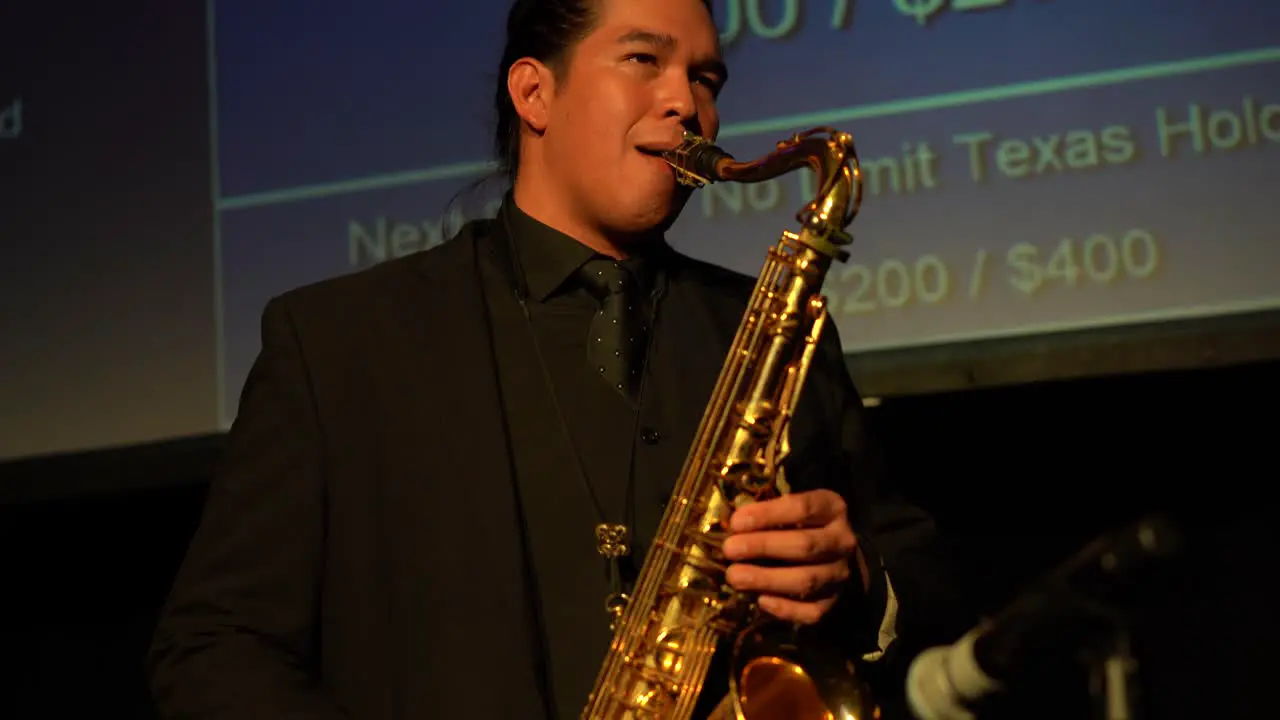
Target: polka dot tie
[{"x": 615, "y": 346}]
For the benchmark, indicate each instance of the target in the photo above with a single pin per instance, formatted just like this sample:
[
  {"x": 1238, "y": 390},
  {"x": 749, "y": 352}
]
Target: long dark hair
[{"x": 547, "y": 31}]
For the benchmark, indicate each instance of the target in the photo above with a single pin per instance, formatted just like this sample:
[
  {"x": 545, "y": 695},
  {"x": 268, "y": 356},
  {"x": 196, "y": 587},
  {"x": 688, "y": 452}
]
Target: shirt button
[{"x": 650, "y": 436}]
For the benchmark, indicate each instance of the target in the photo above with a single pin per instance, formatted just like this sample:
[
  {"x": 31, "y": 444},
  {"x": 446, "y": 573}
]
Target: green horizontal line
[
  {"x": 342, "y": 187},
  {"x": 791, "y": 123},
  {"x": 1191, "y": 312}
]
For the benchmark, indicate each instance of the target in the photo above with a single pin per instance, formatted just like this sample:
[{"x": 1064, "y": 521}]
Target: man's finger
[
  {"x": 806, "y": 509},
  {"x": 808, "y": 583},
  {"x": 809, "y": 545},
  {"x": 804, "y": 613}
]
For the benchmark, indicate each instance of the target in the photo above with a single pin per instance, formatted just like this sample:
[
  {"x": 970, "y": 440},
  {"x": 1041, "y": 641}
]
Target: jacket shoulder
[{"x": 352, "y": 295}]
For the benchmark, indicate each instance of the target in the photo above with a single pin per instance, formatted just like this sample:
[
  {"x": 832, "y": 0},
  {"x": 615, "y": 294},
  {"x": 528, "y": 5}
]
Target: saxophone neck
[{"x": 829, "y": 153}]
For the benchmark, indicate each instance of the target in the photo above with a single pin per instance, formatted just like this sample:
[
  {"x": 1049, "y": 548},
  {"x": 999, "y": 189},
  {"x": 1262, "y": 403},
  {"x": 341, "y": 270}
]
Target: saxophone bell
[{"x": 776, "y": 676}]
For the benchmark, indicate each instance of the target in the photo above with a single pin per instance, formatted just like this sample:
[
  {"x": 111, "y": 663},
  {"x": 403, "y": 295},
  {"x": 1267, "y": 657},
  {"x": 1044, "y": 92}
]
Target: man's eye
[{"x": 646, "y": 58}]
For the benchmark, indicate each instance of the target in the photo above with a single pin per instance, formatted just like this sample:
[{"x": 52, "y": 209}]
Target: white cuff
[{"x": 888, "y": 624}]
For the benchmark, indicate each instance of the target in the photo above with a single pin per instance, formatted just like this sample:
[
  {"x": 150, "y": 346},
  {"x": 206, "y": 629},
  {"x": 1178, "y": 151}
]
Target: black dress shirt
[
  {"x": 565, "y": 423},
  {"x": 630, "y": 456}
]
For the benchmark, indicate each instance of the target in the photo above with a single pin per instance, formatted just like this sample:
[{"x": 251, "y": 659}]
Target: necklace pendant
[{"x": 612, "y": 541}]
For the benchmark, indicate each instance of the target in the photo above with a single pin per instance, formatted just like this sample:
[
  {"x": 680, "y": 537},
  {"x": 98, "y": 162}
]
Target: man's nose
[{"x": 678, "y": 100}]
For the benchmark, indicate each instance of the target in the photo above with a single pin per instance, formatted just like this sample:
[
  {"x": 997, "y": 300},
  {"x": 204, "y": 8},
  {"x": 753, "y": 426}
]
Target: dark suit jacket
[{"x": 359, "y": 555}]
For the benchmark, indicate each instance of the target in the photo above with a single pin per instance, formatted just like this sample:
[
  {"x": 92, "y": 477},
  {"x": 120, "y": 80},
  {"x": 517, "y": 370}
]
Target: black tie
[{"x": 615, "y": 348}]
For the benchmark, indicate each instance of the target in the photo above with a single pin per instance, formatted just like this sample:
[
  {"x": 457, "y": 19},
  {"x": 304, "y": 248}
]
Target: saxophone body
[{"x": 681, "y": 608}]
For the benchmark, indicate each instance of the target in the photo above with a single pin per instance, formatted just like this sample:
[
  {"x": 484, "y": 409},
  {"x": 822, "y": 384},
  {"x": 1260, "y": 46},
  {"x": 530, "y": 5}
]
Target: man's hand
[{"x": 810, "y": 531}]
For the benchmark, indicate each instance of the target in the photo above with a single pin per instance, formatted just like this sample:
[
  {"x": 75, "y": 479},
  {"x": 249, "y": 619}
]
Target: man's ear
[{"x": 531, "y": 86}]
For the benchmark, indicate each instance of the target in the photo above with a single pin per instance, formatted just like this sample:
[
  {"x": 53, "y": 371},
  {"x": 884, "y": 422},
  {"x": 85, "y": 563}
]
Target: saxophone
[{"x": 681, "y": 608}]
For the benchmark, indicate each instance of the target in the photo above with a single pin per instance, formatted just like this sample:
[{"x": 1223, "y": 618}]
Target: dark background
[
  {"x": 1019, "y": 478},
  {"x": 106, "y": 282}
]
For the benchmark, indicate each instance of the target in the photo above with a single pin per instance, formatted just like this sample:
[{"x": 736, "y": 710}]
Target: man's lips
[
  {"x": 651, "y": 153},
  {"x": 656, "y": 149}
]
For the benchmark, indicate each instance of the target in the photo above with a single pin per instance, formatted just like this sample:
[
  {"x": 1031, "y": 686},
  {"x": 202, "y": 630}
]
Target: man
[{"x": 406, "y": 522}]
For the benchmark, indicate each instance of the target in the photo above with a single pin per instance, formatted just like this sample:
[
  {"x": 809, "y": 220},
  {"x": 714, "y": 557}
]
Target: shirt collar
[{"x": 551, "y": 258}]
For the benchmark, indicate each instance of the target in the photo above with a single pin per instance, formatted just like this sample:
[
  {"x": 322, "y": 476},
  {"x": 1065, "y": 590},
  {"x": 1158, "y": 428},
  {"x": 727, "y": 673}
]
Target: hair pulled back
[{"x": 547, "y": 31}]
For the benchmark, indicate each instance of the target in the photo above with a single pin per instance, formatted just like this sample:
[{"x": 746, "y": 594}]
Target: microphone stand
[
  {"x": 1107, "y": 656},
  {"x": 1113, "y": 673},
  {"x": 1078, "y": 614}
]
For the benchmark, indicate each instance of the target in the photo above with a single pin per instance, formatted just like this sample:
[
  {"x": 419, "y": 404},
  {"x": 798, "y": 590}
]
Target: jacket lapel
[
  {"x": 452, "y": 527},
  {"x": 706, "y": 320}
]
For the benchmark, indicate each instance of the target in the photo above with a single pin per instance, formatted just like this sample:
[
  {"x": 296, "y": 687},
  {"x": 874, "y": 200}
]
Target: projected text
[
  {"x": 914, "y": 170},
  {"x": 772, "y": 20},
  {"x": 1202, "y": 129},
  {"x": 1042, "y": 154},
  {"x": 778, "y": 19},
  {"x": 1099, "y": 259}
]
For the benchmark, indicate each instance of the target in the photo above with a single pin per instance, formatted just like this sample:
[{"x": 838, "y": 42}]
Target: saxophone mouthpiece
[{"x": 696, "y": 160}]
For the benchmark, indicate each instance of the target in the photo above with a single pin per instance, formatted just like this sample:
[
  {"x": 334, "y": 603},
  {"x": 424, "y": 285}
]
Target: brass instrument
[{"x": 667, "y": 631}]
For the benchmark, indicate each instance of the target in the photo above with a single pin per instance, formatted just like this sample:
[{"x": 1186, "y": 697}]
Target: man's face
[{"x": 650, "y": 69}]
